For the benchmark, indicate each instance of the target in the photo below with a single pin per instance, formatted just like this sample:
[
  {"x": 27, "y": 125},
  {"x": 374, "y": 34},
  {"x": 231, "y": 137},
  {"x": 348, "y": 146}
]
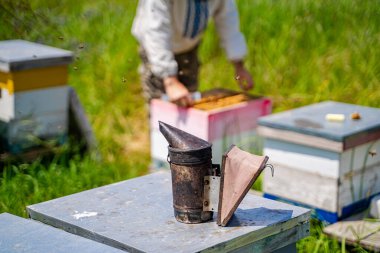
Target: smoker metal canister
[{"x": 188, "y": 169}]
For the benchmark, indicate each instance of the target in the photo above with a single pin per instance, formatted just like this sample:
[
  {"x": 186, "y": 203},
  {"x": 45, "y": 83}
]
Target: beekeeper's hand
[
  {"x": 177, "y": 92},
  {"x": 242, "y": 76}
]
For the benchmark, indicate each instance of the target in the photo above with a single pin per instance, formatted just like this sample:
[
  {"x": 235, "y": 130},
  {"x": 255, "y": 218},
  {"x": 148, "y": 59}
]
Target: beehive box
[
  {"x": 33, "y": 94},
  {"x": 329, "y": 166},
  {"x": 222, "y": 117}
]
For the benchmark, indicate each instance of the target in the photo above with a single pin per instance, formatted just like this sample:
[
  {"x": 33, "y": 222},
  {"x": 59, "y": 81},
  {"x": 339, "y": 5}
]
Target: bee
[{"x": 372, "y": 152}]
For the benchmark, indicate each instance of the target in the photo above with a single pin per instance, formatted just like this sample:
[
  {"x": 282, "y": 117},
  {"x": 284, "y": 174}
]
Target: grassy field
[{"x": 300, "y": 52}]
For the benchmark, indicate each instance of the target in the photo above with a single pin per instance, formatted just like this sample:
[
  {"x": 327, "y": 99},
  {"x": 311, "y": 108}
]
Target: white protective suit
[{"x": 167, "y": 27}]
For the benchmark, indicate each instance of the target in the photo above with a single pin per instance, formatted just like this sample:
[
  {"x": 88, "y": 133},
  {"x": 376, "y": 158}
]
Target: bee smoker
[
  {"x": 190, "y": 161},
  {"x": 198, "y": 186}
]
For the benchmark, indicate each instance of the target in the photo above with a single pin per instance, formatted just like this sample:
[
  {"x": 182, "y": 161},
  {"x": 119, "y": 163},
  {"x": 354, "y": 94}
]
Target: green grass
[{"x": 300, "y": 52}]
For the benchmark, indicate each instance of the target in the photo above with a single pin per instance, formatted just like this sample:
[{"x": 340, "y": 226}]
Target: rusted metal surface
[
  {"x": 182, "y": 140},
  {"x": 188, "y": 193},
  {"x": 190, "y": 161}
]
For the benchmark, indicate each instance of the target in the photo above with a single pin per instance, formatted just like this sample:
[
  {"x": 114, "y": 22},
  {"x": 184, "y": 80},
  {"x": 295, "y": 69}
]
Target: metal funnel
[{"x": 181, "y": 140}]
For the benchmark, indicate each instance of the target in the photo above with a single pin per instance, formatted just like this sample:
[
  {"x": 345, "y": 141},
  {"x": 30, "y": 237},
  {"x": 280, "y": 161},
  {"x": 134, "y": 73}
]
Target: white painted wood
[
  {"x": 374, "y": 209},
  {"x": 33, "y": 103},
  {"x": 359, "y": 160},
  {"x": 304, "y": 162},
  {"x": 325, "y": 162},
  {"x": 6, "y": 105},
  {"x": 302, "y": 186},
  {"x": 320, "y": 191},
  {"x": 359, "y": 185},
  {"x": 299, "y": 138}
]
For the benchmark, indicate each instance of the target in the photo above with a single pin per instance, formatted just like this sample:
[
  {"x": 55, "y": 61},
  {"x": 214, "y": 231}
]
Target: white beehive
[
  {"x": 330, "y": 166},
  {"x": 33, "y": 94}
]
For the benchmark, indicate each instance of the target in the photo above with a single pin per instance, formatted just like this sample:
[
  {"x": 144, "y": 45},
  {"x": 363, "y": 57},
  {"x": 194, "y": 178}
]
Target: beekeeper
[{"x": 169, "y": 32}]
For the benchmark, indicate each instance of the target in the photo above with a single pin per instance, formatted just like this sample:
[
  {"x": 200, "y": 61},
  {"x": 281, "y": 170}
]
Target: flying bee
[{"x": 372, "y": 152}]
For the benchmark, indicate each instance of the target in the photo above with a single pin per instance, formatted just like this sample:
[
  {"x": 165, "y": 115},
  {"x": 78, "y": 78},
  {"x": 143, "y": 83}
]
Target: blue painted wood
[
  {"x": 21, "y": 235},
  {"x": 18, "y": 55},
  {"x": 310, "y": 120},
  {"x": 317, "y": 213},
  {"x": 323, "y": 215},
  {"x": 138, "y": 215}
]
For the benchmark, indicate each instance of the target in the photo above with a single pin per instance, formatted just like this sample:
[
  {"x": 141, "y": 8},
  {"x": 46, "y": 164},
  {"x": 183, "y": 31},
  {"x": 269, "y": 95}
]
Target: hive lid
[
  {"x": 16, "y": 55},
  {"x": 240, "y": 170},
  {"x": 310, "y": 120}
]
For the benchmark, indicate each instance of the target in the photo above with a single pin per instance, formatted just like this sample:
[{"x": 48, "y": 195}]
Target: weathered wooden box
[
  {"x": 33, "y": 94},
  {"x": 330, "y": 166},
  {"x": 222, "y": 126}
]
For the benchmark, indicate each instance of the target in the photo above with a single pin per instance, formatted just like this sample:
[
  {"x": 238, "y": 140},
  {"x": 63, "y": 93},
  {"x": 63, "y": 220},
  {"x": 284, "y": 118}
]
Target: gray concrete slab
[
  {"x": 22, "y": 235},
  {"x": 137, "y": 215}
]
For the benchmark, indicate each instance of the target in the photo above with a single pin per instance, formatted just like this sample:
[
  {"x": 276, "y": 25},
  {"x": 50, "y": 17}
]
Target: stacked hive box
[
  {"x": 222, "y": 125},
  {"x": 331, "y": 166},
  {"x": 33, "y": 94}
]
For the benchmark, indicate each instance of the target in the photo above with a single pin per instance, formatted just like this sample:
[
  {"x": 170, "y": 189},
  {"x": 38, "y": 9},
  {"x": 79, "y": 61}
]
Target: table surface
[
  {"x": 311, "y": 120},
  {"x": 20, "y": 54},
  {"x": 22, "y": 235},
  {"x": 137, "y": 215}
]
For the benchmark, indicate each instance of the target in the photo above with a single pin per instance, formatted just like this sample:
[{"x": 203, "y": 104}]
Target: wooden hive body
[
  {"x": 33, "y": 94},
  {"x": 321, "y": 164},
  {"x": 233, "y": 124}
]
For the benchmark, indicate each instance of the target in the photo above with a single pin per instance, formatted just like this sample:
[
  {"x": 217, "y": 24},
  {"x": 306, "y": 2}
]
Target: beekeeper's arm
[
  {"x": 227, "y": 25},
  {"x": 157, "y": 41}
]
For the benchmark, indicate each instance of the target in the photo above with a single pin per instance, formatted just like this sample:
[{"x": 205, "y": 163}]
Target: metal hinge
[{"x": 211, "y": 193}]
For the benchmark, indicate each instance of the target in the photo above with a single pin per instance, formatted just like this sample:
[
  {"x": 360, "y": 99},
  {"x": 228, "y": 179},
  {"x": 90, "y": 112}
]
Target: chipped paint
[{"x": 84, "y": 214}]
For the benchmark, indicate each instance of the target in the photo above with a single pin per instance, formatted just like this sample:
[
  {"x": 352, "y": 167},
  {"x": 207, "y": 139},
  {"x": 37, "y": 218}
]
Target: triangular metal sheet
[{"x": 240, "y": 170}]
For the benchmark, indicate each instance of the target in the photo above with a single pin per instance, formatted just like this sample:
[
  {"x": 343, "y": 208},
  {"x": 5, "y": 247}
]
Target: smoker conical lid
[
  {"x": 180, "y": 139},
  {"x": 240, "y": 170}
]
